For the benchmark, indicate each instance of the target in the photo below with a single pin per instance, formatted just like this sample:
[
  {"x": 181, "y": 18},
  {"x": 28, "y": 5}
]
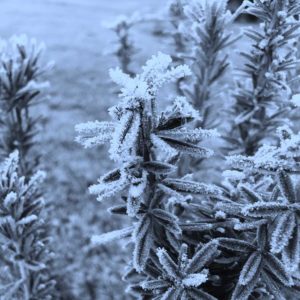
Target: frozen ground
[{"x": 80, "y": 91}]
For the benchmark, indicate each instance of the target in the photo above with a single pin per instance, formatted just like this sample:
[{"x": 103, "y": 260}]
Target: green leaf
[
  {"x": 157, "y": 167},
  {"x": 197, "y": 294},
  {"x": 251, "y": 268},
  {"x": 167, "y": 263},
  {"x": 154, "y": 284},
  {"x": 202, "y": 257},
  {"x": 185, "y": 186},
  {"x": 188, "y": 148},
  {"x": 250, "y": 195},
  {"x": 284, "y": 226},
  {"x": 286, "y": 186},
  {"x": 143, "y": 241},
  {"x": 265, "y": 209},
  {"x": 235, "y": 245},
  {"x": 277, "y": 268},
  {"x": 174, "y": 122},
  {"x": 291, "y": 252}
]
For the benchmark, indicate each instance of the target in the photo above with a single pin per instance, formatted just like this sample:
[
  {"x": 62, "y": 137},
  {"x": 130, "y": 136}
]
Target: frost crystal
[
  {"x": 111, "y": 236},
  {"x": 94, "y": 133},
  {"x": 195, "y": 280}
]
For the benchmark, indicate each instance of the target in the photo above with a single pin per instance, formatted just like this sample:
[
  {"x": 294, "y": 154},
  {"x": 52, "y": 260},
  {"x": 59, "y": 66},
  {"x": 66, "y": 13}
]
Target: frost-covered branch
[
  {"x": 207, "y": 30},
  {"x": 24, "y": 254},
  {"x": 269, "y": 159},
  {"x": 125, "y": 47},
  {"x": 264, "y": 97},
  {"x": 145, "y": 144},
  {"x": 20, "y": 88}
]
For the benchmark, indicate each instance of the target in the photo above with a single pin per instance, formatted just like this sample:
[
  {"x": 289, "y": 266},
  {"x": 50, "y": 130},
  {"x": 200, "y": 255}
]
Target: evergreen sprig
[
  {"x": 24, "y": 254},
  {"x": 20, "y": 88},
  {"x": 146, "y": 146},
  {"x": 209, "y": 37},
  {"x": 263, "y": 100},
  {"x": 124, "y": 48}
]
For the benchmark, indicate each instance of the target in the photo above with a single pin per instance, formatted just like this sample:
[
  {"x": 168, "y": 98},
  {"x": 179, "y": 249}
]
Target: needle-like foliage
[
  {"x": 146, "y": 145},
  {"x": 124, "y": 48},
  {"x": 264, "y": 97},
  {"x": 209, "y": 37},
  {"x": 20, "y": 88},
  {"x": 24, "y": 254}
]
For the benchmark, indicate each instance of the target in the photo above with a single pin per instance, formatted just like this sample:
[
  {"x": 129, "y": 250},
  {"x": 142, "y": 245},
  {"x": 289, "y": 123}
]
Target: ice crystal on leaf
[{"x": 92, "y": 134}]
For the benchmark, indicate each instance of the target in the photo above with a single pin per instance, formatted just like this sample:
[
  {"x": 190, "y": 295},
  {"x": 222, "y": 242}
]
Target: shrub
[
  {"x": 20, "y": 87},
  {"x": 262, "y": 101},
  {"x": 146, "y": 146},
  {"x": 24, "y": 248},
  {"x": 23, "y": 241},
  {"x": 124, "y": 46}
]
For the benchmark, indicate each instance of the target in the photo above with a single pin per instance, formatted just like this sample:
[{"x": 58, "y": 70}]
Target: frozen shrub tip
[
  {"x": 181, "y": 278},
  {"x": 139, "y": 137}
]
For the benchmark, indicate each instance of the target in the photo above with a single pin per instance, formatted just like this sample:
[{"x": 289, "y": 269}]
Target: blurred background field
[{"x": 77, "y": 42}]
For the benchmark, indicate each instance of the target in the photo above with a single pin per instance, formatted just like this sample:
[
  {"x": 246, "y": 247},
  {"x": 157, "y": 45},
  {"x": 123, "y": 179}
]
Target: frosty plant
[
  {"x": 20, "y": 87},
  {"x": 263, "y": 99},
  {"x": 263, "y": 231},
  {"x": 209, "y": 38},
  {"x": 23, "y": 243},
  {"x": 23, "y": 240},
  {"x": 269, "y": 159},
  {"x": 180, "y": 279},
  {"x": 203, "y": 28},
  {"x": 145, "y": 144},
  {"x": 124, "y": 48},
  {"x": 177, "y": 17}
]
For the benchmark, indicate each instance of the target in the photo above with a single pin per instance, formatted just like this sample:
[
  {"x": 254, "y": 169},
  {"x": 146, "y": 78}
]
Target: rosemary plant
[
  {"x": 125, "y": 48},
  {"x": 146, "y": 144},
  {"x": 24, "y": 253},
  {"x": 20, "y": 88},
  {"x": 263, "y": 100},
  {"x": 209, "y": 21}
]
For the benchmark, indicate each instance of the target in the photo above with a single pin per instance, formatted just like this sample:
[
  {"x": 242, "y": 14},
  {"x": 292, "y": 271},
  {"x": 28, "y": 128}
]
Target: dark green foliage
[
  {"x": 262, "y": 102},
  {"x": 24, "y": 253},
  {"x": 19, "y": 91},
  {"x": 23, "y": 241},
  {"x": 147, "y": 157}
]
